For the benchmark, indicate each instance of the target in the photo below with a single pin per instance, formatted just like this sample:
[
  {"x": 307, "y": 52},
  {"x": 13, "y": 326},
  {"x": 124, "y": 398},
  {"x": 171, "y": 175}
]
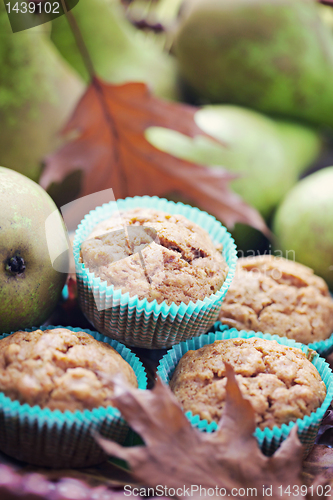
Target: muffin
[
  {"x": 281, "y": 383},
  {"x": 155, "y": 273},
  {"x": 56, "y": 385},
  {"x": 268, "y": 439},
  {"x": 155, "y": 255},
  {"x": 60, "y": 369},
  {"x": 275, "y": 295}
]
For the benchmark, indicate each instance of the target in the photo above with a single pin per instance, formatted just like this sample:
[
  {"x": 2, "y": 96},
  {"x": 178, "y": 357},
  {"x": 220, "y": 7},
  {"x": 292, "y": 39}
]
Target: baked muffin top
[
  {"x": 278, "y": 296},
  {"x": 281, "y": 383},
  {"x": 155, "y": 255},
  {"x": 60, "y": 369}
]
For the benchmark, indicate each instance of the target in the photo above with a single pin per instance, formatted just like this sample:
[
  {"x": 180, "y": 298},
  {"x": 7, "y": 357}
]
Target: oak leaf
[
  {"x": 177, "y": 455},
  {"x": 319, "y": 463},
  {"x": 325, "y": 433},
  {"x": 111, "y": 150}
]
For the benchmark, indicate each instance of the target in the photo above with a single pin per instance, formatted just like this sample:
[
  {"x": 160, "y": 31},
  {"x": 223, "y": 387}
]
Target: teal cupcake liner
[
  {"x": 323, "y": 347},
  {"x": 268, "y": 439},
  {"x": 51, "y": 438},
  {"x": 138, "y": 322}
]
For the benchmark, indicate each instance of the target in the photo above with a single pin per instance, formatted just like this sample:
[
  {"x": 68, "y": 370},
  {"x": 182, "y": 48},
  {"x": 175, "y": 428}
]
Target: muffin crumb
[
  {"x": 281, "y": 383},
  {"x": 156, "y": 256},
  {"x": 60, "y": 369},
  {"x": 278, "y": 296}
]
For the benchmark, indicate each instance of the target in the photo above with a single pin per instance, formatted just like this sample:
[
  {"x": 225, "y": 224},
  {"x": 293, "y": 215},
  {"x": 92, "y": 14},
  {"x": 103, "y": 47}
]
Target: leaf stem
[
  {"x": 79, "y": 40},
  {"x": 114, "y": 132},
  {"x": 90, "y": 68}
]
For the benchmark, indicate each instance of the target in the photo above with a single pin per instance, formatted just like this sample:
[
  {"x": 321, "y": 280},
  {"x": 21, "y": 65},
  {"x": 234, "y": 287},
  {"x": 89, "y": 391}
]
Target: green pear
[
  {"x": 326, "y": 15},
  {"x": 275, "y": 56},
  {"x": 119, "y": 52},
  {"x": 30, "y": 286},
  {"x": 303, "y": 223},
  {"x": 268, "y": 154},
  {"x": 38, "y": 91}
]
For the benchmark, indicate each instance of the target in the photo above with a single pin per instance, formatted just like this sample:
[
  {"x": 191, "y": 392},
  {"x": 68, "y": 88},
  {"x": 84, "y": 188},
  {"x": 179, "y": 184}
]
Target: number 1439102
[
  {"x": 34, "y": 7},
  {"x": 303, "y": 490}
]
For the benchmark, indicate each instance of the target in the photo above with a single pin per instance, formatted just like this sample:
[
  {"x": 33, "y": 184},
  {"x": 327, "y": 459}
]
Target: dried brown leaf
[
  {"x": 319, "y": 462},
  {"x": 111, "y": 150},
  {"x": 178, "y": 455}
]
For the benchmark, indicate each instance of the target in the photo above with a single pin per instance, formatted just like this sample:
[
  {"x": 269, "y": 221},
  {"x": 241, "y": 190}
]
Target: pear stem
[{"x": 79, "y": 40}]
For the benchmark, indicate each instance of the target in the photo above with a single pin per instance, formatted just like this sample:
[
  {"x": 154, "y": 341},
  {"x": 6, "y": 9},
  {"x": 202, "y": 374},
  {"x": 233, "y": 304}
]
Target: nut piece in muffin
[
  {"x": 155, "y": 255},
  {"x": 281, "y": 383},
  {"x": 278, "y": 296},
  {"x": 60, "y": 369}
]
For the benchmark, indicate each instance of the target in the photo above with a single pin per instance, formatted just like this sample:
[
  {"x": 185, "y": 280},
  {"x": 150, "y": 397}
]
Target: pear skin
[
  {"x": 303, "y": 224},
  {"x": 275, "y": 56},
  {"x": 268, "y": 154},
  {"x": 38, "y": 91},
  {"x": 119, "y": 52},
  {"x": 29, "y": 285}
]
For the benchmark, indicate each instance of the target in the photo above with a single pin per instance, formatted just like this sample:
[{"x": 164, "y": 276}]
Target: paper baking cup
[
  {"x": 51, "y": 438},
  {"x": 138, "y": 322},
  {"x": 323, "y": 347},
  {"x": 268, "y": 439}
]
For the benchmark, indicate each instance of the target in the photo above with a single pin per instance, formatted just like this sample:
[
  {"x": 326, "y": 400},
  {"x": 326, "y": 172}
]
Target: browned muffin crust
[
  {"x": 60, "y": 369},
  {"x": 278, "y": 296},
  {"x": 181, "y": 263},
  {"x": 281, "y": 383}
]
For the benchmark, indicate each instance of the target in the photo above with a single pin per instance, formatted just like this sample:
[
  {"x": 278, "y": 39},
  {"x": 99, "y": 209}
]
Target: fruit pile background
[{"x": 239, "y": 122}]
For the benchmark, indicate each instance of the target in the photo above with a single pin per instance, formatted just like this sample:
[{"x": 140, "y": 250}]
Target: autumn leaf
[
  {"x": 319, "y": 463},
  {"x": 177, "y": 452},
  {"x": 53, "y": 486},
  {"x": 111, "y": 150},
  {"x": 325, "y": 434},
  {"x": 178, "y": 455}
]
